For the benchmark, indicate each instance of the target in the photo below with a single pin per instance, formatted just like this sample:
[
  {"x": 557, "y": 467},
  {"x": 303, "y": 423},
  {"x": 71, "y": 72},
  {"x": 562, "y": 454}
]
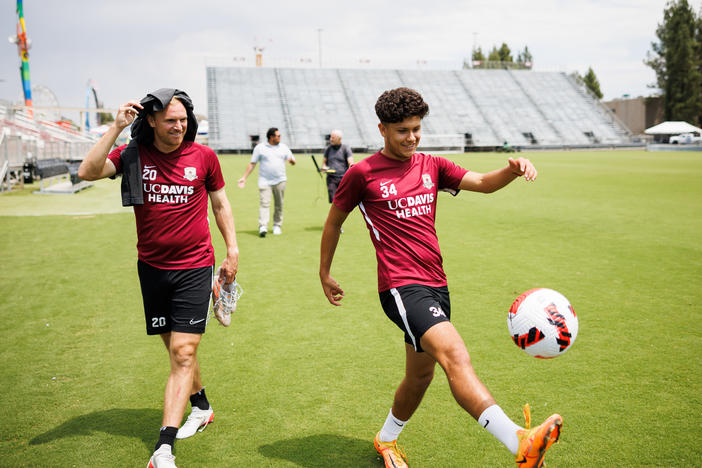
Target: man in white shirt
[{"x": 271, "y": 179}]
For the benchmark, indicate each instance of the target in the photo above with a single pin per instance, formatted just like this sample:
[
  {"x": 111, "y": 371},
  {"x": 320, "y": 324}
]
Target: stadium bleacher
[
  {"x": 469, "y": 109},
  {"x": 30, "y": 147}
]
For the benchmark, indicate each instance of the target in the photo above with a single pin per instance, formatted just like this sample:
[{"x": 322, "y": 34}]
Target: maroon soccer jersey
[
  {"x": 172, "y": 226},
  {"x": 398, "y": 201}
]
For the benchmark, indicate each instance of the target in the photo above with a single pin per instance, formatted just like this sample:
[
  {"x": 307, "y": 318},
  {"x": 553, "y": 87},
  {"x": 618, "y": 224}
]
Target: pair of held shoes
[
  {"x": 533, "y": 443},
  {"x": 196, "y": 422},
  {"x": 262, "y": 231},
  {"x": 224, "y": 298}
]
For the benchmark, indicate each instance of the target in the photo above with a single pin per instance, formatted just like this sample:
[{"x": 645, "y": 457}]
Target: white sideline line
[{"x": 79, "y": 213}]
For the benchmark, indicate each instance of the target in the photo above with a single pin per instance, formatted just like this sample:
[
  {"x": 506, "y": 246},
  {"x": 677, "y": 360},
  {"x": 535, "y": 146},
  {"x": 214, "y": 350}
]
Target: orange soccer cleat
[
  {"x": 393, "y": 456},
  {"x": 533, "y": 443}
]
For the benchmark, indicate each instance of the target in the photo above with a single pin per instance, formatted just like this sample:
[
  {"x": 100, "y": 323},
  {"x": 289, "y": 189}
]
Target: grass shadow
[
  {"x": 250, "y": 232},
  {"x": 315, "y": 228},
  {"x": 139, "y": 423},
  {"x": 324, "y": 450}
]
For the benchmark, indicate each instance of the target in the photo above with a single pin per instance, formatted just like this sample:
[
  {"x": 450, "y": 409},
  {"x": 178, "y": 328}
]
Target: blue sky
[{"x": 133, "y": 46}]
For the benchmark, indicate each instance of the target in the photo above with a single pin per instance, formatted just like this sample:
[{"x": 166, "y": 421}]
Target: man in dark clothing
[{"x": 337, "y": 159}]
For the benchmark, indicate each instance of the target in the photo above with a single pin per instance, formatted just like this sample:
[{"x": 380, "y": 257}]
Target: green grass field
[{"x": 297, "y": 382}]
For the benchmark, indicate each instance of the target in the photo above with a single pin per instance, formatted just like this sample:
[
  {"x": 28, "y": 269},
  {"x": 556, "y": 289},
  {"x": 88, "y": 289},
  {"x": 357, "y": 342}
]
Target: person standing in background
[{"x": 271, "y": 179}]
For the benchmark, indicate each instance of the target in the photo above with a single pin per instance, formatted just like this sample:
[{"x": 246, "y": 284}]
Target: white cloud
[{"x": 133, "y": 46}]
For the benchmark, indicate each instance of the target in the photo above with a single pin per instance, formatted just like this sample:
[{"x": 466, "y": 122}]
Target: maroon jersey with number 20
[
  {"x": 172, "y": 227},
  {"x": 398, "y": 202}
]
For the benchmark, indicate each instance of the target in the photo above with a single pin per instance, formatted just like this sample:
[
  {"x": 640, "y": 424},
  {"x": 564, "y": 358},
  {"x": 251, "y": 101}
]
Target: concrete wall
[{"x": 638, "y": 113}]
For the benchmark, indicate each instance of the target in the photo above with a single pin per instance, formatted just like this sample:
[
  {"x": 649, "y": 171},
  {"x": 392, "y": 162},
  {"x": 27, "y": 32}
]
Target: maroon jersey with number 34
[{"x": 398, "y": 202}]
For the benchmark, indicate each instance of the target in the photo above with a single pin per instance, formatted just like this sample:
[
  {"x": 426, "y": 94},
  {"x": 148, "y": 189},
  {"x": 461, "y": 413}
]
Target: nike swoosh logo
[
  {"x": 398, "y": 424},
  {"x": 149, "y": 167},
  {"x": 196, "y": 321},
  {"x": 383, "y": 184},
  {"x": 487, "y": 421}
]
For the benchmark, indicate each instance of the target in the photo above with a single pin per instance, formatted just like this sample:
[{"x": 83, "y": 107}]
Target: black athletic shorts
[
  {"x": 416, "y": 308},
  {"x": 175, "y": 300}
]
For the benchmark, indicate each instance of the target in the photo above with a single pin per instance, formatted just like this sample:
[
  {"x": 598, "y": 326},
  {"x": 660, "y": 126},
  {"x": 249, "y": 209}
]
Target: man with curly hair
[{"x": 396, "y": 190}]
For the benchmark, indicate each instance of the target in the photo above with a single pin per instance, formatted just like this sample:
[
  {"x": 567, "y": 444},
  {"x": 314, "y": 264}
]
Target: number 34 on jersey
[{"x": 387, "y": 189}]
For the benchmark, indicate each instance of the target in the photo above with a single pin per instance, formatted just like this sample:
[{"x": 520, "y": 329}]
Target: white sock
[
  {"x": 391, "y": 429},
  {"x": 498, "y": 424}
]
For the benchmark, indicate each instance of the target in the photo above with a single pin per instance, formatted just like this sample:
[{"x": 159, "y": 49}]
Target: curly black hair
[{"x": 397, "y": 104}]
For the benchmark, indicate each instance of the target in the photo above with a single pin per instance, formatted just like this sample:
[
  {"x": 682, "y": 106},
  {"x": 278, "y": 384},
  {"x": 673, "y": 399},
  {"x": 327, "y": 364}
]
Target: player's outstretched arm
[
  {"x": 95, "y": 165},
  {"x": 495, "y": 180},
  {"x": 330, "y": 239}
]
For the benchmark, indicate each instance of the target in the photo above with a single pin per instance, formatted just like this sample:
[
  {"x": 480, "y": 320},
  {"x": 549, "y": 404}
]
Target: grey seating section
[
  {"x": 241, "y": 104},
  {"x": 519, "y": 107}
]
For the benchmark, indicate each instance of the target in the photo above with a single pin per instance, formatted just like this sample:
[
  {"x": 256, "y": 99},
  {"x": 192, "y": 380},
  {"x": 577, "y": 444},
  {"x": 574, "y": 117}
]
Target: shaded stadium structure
[
  {"x": 470, "y": 109},
  {"x": 31, "y": 147}
]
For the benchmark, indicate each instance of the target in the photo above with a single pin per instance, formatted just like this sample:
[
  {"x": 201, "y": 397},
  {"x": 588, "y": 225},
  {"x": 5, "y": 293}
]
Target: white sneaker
[
  {"x": 277, "y": 231},
  {"x": 262, "y": 231},
  {"x": 224, "y": 298},
  {"x": 162, "y": 458},
  {"x": 198, "y": 420}
]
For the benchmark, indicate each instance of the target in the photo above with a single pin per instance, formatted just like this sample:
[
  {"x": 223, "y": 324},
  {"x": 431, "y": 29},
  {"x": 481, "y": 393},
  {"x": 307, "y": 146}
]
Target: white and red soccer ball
[{"x": 543, "y": 323}]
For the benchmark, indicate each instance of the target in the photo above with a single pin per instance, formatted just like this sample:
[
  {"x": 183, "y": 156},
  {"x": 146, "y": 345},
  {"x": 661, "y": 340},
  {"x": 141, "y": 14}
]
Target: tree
[
  {"x": 677, "y": 61},
  {"x": 524, "y": 58},
  {"x": 505, "y": 53},
  {"x": 500, "y": 58},
  {"x": 494, "y": 55},
  {"x": 477, "y": 60},
  {"x": 105, "y": 118},
  {"x": 592, "y": 83}
]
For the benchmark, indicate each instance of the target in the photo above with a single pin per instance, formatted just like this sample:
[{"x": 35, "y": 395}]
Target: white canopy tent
[{"x": 673, "y": 127}]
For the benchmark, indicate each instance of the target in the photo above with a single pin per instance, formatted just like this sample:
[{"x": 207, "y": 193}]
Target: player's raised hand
[
  {"x": 332, "y": 290},
  {"x": 523, "y": 167},
  {"x": 126, "y": 113}
]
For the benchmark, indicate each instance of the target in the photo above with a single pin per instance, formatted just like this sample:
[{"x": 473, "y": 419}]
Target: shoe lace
[
  {"x": 395, "y": 450},
  {"x": 527, "y": 416},
  {"x": 228, "y": 296},
  {"x": 166, "y": 456},
  {"x": 194, "y": 417},
  {"x": 225, "y": 296}
]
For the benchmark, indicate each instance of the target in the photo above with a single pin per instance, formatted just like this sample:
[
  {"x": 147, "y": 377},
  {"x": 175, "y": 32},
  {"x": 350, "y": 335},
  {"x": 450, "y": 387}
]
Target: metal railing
[{"x": 26, "y": 140}]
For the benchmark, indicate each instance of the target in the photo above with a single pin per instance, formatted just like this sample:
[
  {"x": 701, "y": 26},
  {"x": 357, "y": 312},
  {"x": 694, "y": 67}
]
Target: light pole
[{"x": 319, "y": 45}]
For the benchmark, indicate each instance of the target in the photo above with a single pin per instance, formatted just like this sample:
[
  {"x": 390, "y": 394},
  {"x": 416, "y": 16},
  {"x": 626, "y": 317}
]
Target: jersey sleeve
[
  {"x": 116, "y": 157},
  {"x": 351, "y": 189},
  {"x": 450, "y": 174},
  {"x": 215, "y": 179}
]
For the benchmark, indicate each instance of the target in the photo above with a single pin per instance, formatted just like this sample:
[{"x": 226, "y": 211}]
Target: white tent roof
[{"x": 672, "y": 127}]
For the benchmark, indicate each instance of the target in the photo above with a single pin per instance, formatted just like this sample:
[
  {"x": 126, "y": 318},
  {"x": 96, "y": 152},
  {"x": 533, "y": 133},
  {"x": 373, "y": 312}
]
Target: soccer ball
[{"x": 543, "y": 323}]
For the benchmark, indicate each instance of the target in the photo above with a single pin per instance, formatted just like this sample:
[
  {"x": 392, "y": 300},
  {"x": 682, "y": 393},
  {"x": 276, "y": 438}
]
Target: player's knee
[
  {"x": 183, "y": 356},
  {"x": 455, "y": 357},
  {"x": 422, "y": 381},
  {"x": 419, "y": 381}
]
